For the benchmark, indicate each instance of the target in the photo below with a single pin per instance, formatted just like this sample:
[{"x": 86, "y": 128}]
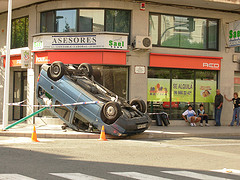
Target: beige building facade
[{"x": 168, "y": 75}]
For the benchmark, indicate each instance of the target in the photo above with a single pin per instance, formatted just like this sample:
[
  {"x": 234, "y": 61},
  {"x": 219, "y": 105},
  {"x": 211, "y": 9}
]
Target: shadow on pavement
[{"x": 38, "y": 165}]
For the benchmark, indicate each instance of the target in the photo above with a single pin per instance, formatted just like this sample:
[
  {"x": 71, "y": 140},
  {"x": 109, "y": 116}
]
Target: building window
[
  {"x": 237, "y": 49},
  {"x": 183, "y": 32},
  {"x": 172, "y": 90},
  {"x": 20, "y": 32},
  {"x": 118, "y": 21},
  {"x": 66, "y": 21},
  {"x": 91, "y": 20},
  {"x": 86, "y": 20},
  {"x": 237, "y": 82}
]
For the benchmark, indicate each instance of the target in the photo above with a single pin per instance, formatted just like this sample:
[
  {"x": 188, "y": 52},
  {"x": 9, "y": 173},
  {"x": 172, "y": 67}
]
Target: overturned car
[{"x": 70, "y": 84}]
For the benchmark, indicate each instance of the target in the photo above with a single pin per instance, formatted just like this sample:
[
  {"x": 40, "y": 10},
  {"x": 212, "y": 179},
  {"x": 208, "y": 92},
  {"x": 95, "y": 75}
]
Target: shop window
[
  {"x": 206, "y": 85},
  {"x": 91, "y": 20},
  {"x": 172, "y": 90},
  {"x": 183, "y": 32},
  {"x": 158, "y": 96},
  {"x": 20, "y": 32},
  {"x": 182, "y": 91},
  {"x": 115, "y": 78}
]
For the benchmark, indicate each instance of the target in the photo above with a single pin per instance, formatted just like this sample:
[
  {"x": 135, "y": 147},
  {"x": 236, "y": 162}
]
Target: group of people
[{"x": 190, "y": 116}]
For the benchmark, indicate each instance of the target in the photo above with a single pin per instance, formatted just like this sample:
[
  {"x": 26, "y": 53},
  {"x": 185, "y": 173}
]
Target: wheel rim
[
  {"x": 137, "y": 106},
  {"x": 111, "y": 111},
  {"x": 56, "y": 70}
]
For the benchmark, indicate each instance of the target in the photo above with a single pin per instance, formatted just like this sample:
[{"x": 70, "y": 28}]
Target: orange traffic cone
[
  {"x": 102, "y": 136},
  {"x": 34, "y": 135}
]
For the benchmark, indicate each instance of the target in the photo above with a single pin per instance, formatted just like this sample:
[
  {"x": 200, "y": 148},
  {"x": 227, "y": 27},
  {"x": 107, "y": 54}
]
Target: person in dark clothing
[
  {"x": 236, "y": 102},
  {"x": 201, "y": 113},
  {"x": 218, "y": 107}
]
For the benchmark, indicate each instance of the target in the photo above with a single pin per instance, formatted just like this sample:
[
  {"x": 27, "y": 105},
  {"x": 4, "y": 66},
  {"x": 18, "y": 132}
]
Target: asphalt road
[{"x": 186, "y": 158}]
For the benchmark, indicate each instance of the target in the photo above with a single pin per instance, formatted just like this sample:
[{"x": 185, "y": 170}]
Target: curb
[
  {"x": 166, "y": 136},
  {"x": 145, "y": 135}
]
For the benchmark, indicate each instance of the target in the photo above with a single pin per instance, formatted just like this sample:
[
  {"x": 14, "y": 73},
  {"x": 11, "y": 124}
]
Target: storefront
[
  {"x": 175, "y": 81},
  {"x": 105, "y": 52}
]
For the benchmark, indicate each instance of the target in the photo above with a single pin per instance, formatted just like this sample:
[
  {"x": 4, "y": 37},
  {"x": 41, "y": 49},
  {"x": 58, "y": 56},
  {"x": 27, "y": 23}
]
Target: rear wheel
[
  {"x": 139, "y": 104},
  {"x": 111, "y": 111},
  {"x": 56, "y": 70},
  {"x": 86, "y": 69}
]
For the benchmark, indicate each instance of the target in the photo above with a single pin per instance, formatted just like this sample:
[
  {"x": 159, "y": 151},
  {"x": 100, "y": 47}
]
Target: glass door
[{"x": 19, "y": 93}]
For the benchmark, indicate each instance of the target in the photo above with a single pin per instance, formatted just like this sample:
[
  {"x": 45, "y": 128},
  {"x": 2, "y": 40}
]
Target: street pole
[{"x": 7, "y": 67}]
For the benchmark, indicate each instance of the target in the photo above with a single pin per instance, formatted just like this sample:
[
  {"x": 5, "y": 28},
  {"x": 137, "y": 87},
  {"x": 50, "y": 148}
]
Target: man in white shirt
[{"x": 191, "y": 116}]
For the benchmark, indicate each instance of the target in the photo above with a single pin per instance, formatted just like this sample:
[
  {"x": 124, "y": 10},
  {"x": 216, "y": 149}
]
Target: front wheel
[
  {"x": 56, "y": 70},
  {"x": 111, "y": 111}
]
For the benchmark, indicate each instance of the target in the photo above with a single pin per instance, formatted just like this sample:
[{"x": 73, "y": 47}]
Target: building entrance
[{"x": 19, "y": 93}]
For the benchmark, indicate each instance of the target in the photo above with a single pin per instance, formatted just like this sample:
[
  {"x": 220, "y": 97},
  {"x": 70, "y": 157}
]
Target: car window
[{"x": 63, "y": 111}]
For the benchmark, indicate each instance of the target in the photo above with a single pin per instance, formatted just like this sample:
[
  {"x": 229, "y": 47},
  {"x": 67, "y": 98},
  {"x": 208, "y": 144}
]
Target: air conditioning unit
[{"x": 142, "y": 42}]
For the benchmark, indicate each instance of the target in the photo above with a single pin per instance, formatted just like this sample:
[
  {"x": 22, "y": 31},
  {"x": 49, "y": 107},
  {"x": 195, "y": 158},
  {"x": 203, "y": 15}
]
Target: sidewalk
[{"x": 154, "y": 132}]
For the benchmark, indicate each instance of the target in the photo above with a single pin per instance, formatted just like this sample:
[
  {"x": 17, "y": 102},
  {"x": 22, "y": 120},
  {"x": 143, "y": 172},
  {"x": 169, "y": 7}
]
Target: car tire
[
  {"x": 56, "y": 70},
  {"x": 140, "y": 105},
  {"x": 86, "y": 69},
  {"x": 111, "y": 111}
]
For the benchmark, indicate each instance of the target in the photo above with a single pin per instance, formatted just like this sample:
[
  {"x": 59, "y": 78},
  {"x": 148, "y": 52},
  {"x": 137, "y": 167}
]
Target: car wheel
[
  {"x": 86, "y": 69},
  {"x": 111, "y": 111},
  {"x": 140, "y": 105},
  {"x": 56, "y": 70}
]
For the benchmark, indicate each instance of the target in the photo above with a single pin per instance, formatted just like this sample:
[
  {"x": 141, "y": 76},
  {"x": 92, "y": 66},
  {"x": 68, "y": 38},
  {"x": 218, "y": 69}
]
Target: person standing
[
  {"x": 236, "y": 102},
  {"x": 218, "y": 107}
]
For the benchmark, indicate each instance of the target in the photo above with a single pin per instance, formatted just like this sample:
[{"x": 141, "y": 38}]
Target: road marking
[
  {"x": 20, "y": 140},
  {"x": 14, "y": 177},
  {"x": 138, "y": 176},
  {"x": 228, "y": 171},
  {"x": 194, "y": 175},
  {"x": 76, "y": 176}
]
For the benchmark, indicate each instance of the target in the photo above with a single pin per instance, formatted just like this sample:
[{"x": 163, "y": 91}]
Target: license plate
[{"x": 140, "y": 126}]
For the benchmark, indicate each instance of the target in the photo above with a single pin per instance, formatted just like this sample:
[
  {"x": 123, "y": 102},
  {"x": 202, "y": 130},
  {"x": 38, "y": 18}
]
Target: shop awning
[
  {"x": 111, "y": 57},
  {"x": 184, "y": 61},
  {"x": 96, "y": 56},
  {"x": 15, "y": 60}
]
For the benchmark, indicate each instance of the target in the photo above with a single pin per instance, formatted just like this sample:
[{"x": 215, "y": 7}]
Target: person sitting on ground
[
  {"x": 201, "y": 113},
  {"x": 191, "y": 116}
]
